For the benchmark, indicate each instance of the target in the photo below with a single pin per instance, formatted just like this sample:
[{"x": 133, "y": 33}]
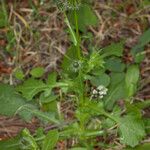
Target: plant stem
[{"x": 77, "y": 34}]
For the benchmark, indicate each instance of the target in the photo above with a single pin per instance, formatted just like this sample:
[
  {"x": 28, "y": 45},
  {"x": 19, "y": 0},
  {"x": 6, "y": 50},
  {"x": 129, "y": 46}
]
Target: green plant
[{"x": 94, "y": 83}]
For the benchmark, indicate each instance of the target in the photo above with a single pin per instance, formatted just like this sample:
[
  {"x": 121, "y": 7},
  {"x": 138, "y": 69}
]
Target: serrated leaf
[
  {"x": 10, "y": 101},
  {"x": 31, "y": 87},
  {"x": 115, "y": 49},
  {"x": 132, "y": 130},
  {"x": 45, "y": 117},
  {"x": 50, "y": 140},
  {"x": 37, "y": 72}
]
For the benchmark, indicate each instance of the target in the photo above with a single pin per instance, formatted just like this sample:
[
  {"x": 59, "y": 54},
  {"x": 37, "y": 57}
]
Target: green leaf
[
  {"x": 132, "y": 75},
  {"x": 132, "y": 109},
  {"x": 115, "y": 49},
  {"x": 47, "y": 99},
  {"x": 139, "y": 48},
  {"x": 145, "y": 38},
  {"x": 147, "y": 125},
  {"x": 29, "y": 140},
  {"x": 31, "y": 87},
  {"x": 132, "y": 130},
  {"x": 102, "y": 79},
  {"x": 115, "y": 93},
  {"x": 87, "y": 16},
  {"x": 145, "y": 146},
  {"x": 3, "y": 14},
  {"x": 50, "y": 140},
  {"x": 116, "y": 78},
  {"x": 10, "y": 101},
  {"x": 71, "y": 31},
  {"x": 145, "y": 3},
  {"x": 52, "y": 77},
  {"x": 19, "y": 74},
  {"x": 94, "y": 62},
  {"x": 78, "y": 148},
  {"x": 69, "y": 58},
  {"x": 131, "y": 79},
  {"x": 115, "y": 65},
  {"x": 11, "y": 144},
  {"x": 37, "y": 72},
  {"x": 143, "y": 104},
  {"x": 45, "y": 117}
]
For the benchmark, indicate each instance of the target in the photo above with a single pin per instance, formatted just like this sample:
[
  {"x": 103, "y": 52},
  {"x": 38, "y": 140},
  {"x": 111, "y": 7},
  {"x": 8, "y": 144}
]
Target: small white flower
[
  {"x": 101, "y": 96},
  {"x": 100, "y": 87},
  {"x": 94, "y": 91},
  {"x": 99, "y": 92}
]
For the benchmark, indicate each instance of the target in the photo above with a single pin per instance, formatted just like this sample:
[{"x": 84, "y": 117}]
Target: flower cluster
[
  {"x": 68, "y": 4},
  {"x": 99, "y": 92}
]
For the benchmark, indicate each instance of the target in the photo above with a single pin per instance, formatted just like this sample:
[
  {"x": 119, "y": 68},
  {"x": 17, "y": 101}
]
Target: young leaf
[
  {"x": 37, "y": 72},
  {"x": 50, "y": 140},
  {"x": 132, "y": 130},
  {"x": 19, "y": 74},
  {"x": 71, "y": 31},
  {"x": 31, "y": 87},
  {"x": 95, "y": 61}
]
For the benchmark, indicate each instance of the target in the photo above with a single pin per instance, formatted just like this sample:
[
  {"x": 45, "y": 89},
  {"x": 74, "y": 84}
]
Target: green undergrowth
[{"x": 95, "y": 83}]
